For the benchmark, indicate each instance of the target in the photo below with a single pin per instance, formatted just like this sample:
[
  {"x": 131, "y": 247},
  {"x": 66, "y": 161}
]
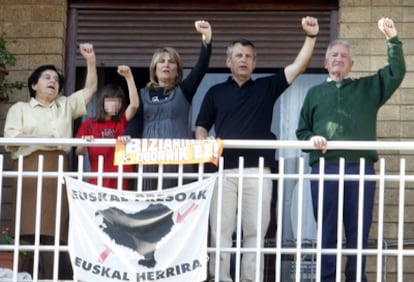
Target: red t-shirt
[{"x": 106, "y": 129}]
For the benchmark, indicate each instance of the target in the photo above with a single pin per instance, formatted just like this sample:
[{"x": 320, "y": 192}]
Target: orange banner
[{"x": 168, "y": 151}]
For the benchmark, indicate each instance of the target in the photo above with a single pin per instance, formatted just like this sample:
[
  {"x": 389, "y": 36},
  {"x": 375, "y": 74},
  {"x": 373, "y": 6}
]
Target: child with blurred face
[{"x": 112, "y": 116}]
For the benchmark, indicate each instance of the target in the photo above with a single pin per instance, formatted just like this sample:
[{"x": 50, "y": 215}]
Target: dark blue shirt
[{"x": 243, "y": 112}]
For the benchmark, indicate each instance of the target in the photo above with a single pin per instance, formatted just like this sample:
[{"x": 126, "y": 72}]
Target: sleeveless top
[{"x": 166, "y": 118}]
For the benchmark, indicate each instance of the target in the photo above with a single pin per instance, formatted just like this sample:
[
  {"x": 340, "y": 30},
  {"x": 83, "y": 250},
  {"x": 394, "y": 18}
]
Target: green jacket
[{"x": 349, "y": 112}]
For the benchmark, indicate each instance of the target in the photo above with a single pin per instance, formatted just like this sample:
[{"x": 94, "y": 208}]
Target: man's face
[
  {"x": 242, "y": 62},
  {"x": 338, "y": 62}
]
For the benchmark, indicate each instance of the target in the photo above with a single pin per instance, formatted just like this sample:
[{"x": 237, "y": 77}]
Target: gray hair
[
  {"x": 243, "y": 42},
  {"x": 338, "y": 42}
]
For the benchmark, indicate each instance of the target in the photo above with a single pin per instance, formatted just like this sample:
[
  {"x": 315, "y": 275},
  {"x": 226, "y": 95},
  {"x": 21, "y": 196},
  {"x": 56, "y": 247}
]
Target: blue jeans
[{"x": 350, "y": 217}]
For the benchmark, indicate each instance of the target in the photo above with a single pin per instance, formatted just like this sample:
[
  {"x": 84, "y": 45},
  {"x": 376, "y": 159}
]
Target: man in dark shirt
[{"x": 242, "y": 108}]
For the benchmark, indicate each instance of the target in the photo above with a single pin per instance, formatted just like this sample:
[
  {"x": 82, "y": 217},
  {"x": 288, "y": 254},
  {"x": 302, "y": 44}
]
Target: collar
[
  {"x": 338, "y": 83},
  {"x": 35, "y": 103},
  {"x": 247, "y": 82}
]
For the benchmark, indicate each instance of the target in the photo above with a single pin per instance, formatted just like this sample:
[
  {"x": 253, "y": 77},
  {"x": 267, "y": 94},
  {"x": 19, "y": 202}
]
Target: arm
[
  {"x": 305, "y": 128},
  {"x": 135, "y": 125},
  {"x": 205, "y": 118},
  {"x": 392, "y": 74},
  {"x": 201, "y": 132},
  {"x": 395, "y": 53},
  {"x": 91, "y": 84},
  {"x": 17, "y": 126},
  {"x": 190, "y": 84},
  {"x": 311, "y": 27},
  {"x": 132, "y": 108},
  {"x": 14, "y": 126}
]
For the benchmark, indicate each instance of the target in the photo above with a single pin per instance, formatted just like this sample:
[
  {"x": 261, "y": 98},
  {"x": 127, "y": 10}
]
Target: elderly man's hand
[
  {"x": 319, "y": 142},
  {"x": 386, "y": 25}
]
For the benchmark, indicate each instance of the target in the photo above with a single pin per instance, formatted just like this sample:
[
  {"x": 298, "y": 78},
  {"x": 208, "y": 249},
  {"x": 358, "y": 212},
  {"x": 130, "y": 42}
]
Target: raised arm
[
  {"x": 91, "y": 84},
  {"x": 394, "y": 72},
  {"x": 190, "y": 84},
  {"x": 132, "y": 108},
  {"x": 311, "y": 28}
]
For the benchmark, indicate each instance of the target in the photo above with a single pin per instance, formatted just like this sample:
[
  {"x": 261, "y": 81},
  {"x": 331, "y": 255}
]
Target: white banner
[{"x": 131, "y": 236}]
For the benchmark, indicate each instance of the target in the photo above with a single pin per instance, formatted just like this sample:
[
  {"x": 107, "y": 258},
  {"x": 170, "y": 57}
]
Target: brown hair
[{"x": 109, "y": 91}]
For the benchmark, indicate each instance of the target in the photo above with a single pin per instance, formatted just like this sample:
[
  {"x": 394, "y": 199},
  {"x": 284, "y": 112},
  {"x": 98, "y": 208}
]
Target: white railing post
[
  {"x": 279, "y": 219},
  {"x": 401, "y": 201},
  {"x": 120, "y": 177},
  {"x": 18, "y": 214},
  {"x": 259, "y": 235},
  {"x": 299, "y": 223},
  {"x": 219, "y": 191},
  {"x": 321, "y": 192},
  {"x": 238, "y": 230},
  {"x": 380, "y": 233},
  {"x": 361, "y": 192},
  {"x": 339, "y": 250}
]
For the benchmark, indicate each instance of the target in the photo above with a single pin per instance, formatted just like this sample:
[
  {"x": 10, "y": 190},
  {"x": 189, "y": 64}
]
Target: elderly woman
[
  {"x": 47, "y": 115},
  {"x": 166, "y": 100}
]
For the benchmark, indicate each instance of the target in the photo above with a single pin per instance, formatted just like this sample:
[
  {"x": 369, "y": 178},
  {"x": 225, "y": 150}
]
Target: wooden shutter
[
  {"x": 131, "y": 36},
  {"x": 127, "y": 32}
]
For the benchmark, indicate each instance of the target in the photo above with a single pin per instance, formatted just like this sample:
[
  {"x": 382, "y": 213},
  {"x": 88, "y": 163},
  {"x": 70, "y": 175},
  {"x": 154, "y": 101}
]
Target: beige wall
[
  {"x": 35, "y": 31},
  {"x": 36, "y": 35},
  {"x": 39, "y": 31},
  {"x": 358, "y": 24}
]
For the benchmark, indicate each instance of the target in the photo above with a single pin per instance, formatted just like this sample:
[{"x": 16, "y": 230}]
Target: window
[{"x": 129, "y": 34}]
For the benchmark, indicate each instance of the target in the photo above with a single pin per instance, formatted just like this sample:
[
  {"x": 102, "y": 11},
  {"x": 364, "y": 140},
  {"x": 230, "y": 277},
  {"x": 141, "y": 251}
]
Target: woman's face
[
  {"x": 47, "y": 87},
  {"x": 166, "y": 69}
]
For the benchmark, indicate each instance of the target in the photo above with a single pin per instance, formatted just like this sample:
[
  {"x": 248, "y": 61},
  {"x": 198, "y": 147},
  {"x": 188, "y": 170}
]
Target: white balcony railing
[{"x": 390, "y": 251}]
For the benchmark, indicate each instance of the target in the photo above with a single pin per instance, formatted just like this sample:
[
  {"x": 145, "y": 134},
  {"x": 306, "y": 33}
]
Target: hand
[
  {"x": 386, "y": 25},
  {"x": 124, "y": 71},
  {"x": 124, "y": 139},
  {"x": 310, "y": 25},
  {"x": 86, "y": 49},
  {"x": 88, "y": 138},
  {"x": 204, "y": 28},
  {"x": 319, "y": 142}
]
